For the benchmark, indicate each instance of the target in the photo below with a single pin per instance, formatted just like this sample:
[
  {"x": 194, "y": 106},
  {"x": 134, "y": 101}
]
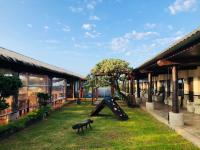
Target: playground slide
[{"x": 114, "y": 107}]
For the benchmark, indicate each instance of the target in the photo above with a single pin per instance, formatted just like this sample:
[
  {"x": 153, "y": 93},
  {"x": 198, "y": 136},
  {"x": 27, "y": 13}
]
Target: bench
[{"x": 82, "y": 124}]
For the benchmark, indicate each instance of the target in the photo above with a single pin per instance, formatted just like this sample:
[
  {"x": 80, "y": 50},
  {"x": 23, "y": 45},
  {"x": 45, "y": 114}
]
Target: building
[
  {"x": 172, "y": 78},
  {"x": 37, "y": 77}
]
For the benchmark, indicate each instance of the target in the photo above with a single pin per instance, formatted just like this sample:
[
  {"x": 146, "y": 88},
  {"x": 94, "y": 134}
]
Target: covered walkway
[{"x": 191, "y": 128}]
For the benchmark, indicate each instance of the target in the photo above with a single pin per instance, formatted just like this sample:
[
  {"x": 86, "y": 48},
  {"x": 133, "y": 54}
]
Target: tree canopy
[
  {"x": 111, "y": 67},
  {"x": 110, "y": 72}
]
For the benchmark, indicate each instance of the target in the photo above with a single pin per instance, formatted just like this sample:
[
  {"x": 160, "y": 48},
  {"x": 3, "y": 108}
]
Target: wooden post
[
  {"x": 73, "y": 89},
  {"x": 112, "y": 91},
  {"x": 132, "y": 86},
  {"x": 92, "y": 95},
  {"x": 149, "y": 87},
  {"x": 128, "y": 86},
  {"x": 27, "y": 89},
  {"x": 138, "y": 88},
  {"x": 66, "y": 95},
  {"x": 97, "y": 94},
  {"x": 175, "y": 103},
  {"x": 123, "y": 85},
  {"x": 50, "y": 84},
  {"x": 80, "y": 89}
]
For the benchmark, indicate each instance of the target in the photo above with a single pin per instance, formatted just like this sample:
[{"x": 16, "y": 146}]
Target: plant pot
[
  {"x": 197, "y": 106},
  {"x": 190, "y": 107}
]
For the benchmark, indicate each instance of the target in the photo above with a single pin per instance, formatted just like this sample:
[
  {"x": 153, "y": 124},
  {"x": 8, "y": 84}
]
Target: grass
[{"x": 141, "y": 131}]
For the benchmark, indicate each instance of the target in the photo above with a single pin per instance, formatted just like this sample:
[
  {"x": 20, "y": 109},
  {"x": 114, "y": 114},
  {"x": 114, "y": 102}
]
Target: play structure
[{"x": 114, "y": 107}]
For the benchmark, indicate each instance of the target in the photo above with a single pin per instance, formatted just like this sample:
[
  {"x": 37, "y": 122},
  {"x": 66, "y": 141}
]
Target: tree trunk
[
  {"x": 125, "y": 97},
  {"x": 92, "y": 95}
]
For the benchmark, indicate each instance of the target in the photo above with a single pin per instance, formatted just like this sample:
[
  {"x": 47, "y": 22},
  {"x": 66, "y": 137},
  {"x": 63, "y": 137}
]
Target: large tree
[{"x": 110, "y": 72}]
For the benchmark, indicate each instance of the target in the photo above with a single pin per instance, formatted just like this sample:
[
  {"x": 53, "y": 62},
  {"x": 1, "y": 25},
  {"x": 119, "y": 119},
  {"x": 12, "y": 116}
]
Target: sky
[{"x": 77, "y": 34}]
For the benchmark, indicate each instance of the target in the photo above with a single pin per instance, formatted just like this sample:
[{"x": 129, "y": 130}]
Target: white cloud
[
  {"x": 52, "y": 41},
  {"x": 150, "y": 25},
  {"x": 182, "y": 6},
  {"x": 119, "y": 44},
  {"x": 164, "y": 41},
  {"x": 29, "y": 25},
  {"x": 92, "y": 34},
  {"x": 80, "y": 46},
  {"x": 91, "y": 5},
  {"x": 85, "y": 5},
  {"x": 88, "y": 26},
  {"x": 76, "y": 9},
  {"x": 123, "y": 44},
  {"x": 46, "y": 28},
  {"x": 95, "y": 18},
  {"x": 139, "y": 35},
  {"x": 66, "y": 29},
  {"x": 128, "y": 53}
]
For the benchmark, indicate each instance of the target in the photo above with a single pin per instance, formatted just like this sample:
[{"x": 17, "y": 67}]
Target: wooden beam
[
  {"x": 163, "y": 62},
  {"x": 145, "y": 71}
]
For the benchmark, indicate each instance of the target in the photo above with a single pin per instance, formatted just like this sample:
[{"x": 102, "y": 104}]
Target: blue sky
[{"x": 77, "y": 34}]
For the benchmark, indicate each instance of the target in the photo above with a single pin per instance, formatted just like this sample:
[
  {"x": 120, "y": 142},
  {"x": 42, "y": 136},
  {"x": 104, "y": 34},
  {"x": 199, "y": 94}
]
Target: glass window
[
  {"x": 58, "y": 89},
  {"x": 36, "y": 84}
]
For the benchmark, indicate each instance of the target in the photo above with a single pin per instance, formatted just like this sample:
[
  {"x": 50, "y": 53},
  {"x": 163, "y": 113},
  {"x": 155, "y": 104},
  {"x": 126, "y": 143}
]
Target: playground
[{"x": 140, "y": 131}]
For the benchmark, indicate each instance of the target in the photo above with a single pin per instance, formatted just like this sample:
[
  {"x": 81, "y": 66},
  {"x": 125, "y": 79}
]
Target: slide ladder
[{"x": 114, "y": 107}]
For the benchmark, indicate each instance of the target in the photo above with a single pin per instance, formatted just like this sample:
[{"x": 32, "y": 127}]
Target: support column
[
  {"x": 138, "y": 99},
  {"x": 175, "y": 118},
  {"x": 132, "y": 90},
  {"x": 128, "y": 86},
  {"x": 175, "y": 103},
  {"x": 149, "y": 87},
  {"x": 73, "y": 89},
  {"x": 149, "y": 103},
  {"x": 80, "y": 89},
  {"x": 66, "y": 95},
  {"x": 97, "y": 93},
  {"x": 112, "y": 91},
  {"x": 50, "y": 84},
  {"x": 92, "y": 95},
  {"x": 132, "y": 86},
  {"x": 123, "y": 85},
  {"x": 27, "y": 86},
  {"x": 138, "y": 88}
]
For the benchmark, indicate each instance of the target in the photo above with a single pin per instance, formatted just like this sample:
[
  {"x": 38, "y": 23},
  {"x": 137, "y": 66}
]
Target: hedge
[{"x": 30, "y": 118}]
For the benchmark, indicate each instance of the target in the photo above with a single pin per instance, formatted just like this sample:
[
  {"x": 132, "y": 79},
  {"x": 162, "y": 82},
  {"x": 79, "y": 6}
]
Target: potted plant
[
  {"x": 9, "y": 86},
  {"x": 190, "y": 106},
  {"x": 43, "y": 100},
  {"x": 197, "y": 106}
]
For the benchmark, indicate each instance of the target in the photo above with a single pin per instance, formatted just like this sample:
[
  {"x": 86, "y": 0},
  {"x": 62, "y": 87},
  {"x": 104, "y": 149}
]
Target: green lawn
[{"x": 141, "y": 131}]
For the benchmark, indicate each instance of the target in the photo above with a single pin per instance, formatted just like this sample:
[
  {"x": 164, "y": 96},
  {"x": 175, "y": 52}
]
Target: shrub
[
  {"x": 43, "y": 99},
  {"x": 30, "y": 118}
]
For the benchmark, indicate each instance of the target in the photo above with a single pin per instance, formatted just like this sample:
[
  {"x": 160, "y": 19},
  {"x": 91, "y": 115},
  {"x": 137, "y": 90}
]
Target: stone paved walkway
[{"x": 191, "y": 128}]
